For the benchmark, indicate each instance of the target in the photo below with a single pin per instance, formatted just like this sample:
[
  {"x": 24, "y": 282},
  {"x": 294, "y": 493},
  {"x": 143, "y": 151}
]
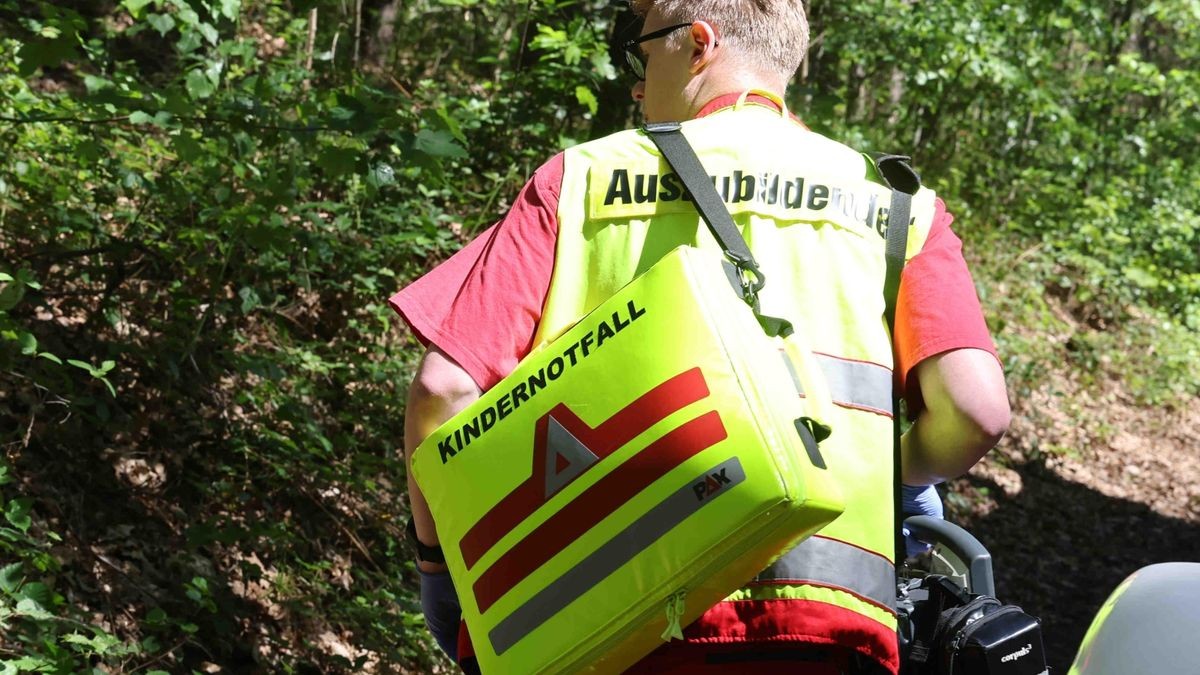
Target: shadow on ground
[{"x": 1059, "y": 548}]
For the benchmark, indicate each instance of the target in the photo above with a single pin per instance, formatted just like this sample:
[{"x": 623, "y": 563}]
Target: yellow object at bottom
[{"x": 628, "y": 475}]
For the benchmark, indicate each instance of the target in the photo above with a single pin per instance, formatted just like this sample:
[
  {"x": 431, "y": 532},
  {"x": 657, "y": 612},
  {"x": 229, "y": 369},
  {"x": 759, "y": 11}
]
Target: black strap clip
[{"x": 752, "y": 278}]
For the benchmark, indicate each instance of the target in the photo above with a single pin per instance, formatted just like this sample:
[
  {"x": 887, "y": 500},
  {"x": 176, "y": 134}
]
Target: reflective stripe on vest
[
  {"x": 828, "y": 562},
  {"x": 858, "y": 384}
]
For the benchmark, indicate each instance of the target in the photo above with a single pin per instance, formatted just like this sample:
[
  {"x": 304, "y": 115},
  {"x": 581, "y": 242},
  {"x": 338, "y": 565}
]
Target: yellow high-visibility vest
[{"x": 814, "y": 213}]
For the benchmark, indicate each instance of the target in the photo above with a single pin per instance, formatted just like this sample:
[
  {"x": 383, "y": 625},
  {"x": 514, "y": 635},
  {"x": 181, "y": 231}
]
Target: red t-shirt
[{"x": 482, "y": 306}]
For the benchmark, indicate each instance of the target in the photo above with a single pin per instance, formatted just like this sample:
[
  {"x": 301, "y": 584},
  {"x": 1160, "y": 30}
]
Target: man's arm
[
  {"x": 966, "y": 413},
  {"x": 440, "y": 389}
]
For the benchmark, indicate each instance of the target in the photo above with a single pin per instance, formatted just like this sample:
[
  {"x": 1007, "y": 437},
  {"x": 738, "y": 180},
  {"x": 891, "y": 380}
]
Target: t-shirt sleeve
[
  {"x": 482, "y": 305},
  {"x": 938, "y": 309}
]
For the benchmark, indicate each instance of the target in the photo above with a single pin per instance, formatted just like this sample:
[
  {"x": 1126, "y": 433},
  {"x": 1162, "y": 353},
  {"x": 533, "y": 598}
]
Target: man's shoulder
[{"x": 627, "y": 142}]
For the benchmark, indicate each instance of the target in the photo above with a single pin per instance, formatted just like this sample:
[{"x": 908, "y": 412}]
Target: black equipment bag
[{"x": 959, "y": 633}]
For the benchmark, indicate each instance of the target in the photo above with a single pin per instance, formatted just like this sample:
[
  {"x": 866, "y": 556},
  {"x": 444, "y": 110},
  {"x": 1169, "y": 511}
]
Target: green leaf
[
  {"x": 163, "y": 23},
  {"x": 135, "y": 6},
  {"x": 250, "y": 299},
  {"x": 586, "y": 97},
  {"x": 5, "y": 475},
  {"x": 95, "y": 84},
  {"x": 1141, "y": 277},
  {"x": 10, "y": 577},
  {"x": 26, "y": 277},
  {"x": 29, "y": 664},
  {"x": 101, "y": 643},
  {"x": 438, "y": 144},
  {"x": 199, "y": 85},
  {"x": 189, "y": 42},
  {"x": 452, "y": 125},
  {"x": 229, "y": 8},
  {"x": 33, "y": 610},
  {"x": 381, "y": 174},
  {"x": 213, "y": 72},
  {"x": 17, "y": 513},
  {"x": 82, "y": 365},
  {"x": 50, "y": 357},
  {"x": 28, "y": 343},
  {"x": 209, "y": 33},
  {"x": 337, "y": 161},
  {"x": 77, "y": 639},
  {"x": 186, "y": 147},
  {"x": 39, "y": 53},
  {"x": 37, "y": 592},
  {"x": 140, "y": 117},
  {"x": 187, "y": 15},
  {"x": 11, "y": 295}
]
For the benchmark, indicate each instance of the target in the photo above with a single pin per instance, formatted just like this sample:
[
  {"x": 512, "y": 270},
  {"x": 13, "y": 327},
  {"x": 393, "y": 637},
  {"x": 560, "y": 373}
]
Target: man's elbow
[
  {"x": 439, "y": 390},
  {"x": 985, "y": 422},
  {"x": 442, "y": 386},
  {"x": 440, "y": 379},
  {"x": 964, "y": 389}
]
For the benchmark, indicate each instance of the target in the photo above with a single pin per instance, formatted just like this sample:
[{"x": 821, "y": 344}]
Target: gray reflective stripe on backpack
[
  {"x": 857, "y": 384},
  {"x": 828, "y": 562},
  {"x": 614, "y": 553}
]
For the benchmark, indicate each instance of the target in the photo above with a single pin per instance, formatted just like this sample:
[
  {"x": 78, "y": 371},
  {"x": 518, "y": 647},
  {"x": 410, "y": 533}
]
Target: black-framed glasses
[{"x": 634, "y": 60}]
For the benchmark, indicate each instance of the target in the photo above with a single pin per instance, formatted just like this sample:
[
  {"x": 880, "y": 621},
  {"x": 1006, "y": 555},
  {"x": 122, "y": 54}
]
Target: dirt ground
[{"x": 1078, "y": 496}]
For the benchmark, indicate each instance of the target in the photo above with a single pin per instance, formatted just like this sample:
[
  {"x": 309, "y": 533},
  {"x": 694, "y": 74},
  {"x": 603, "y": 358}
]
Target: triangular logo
[{"x": 566, "y": 457}]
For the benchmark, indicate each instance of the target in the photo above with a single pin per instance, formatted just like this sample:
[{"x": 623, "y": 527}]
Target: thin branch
[
  {"x": 28, "y": 431},
  {"x": 399, "y": 86},
  {"x": 524, "y": 36},
  {"x": 312, "y": 41},
  {"x": 72, "y": 120},
  {"x": 73, "y": 253},
  {"x": 133, "y": 583},
  {"x": 158, "y": 659},
  {"x": 200, "y": 121},
  {"x": 357, "y": 29},
  {"x": 345, "y": 530}
]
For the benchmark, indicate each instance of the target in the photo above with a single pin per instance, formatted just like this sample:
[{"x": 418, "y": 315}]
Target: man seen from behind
[{"x": 722, "y": 67}]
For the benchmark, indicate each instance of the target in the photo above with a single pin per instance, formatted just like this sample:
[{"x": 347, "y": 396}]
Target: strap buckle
[
  {"x": 752, "y": 278},
  {"x": 661, "y": 127}
]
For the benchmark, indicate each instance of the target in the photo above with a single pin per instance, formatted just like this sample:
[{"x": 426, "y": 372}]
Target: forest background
[{"x": 204, "y": 205}]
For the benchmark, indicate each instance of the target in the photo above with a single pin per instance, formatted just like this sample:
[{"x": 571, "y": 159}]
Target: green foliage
[
  {"x": 1064, "y": 128},
  {"x": 205, "y": 204},
  {"x": 210, "y": 205}
]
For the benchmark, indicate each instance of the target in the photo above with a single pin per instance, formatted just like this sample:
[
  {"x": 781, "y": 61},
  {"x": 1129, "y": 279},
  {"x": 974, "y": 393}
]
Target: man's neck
[{"x": 717, "y": 84}]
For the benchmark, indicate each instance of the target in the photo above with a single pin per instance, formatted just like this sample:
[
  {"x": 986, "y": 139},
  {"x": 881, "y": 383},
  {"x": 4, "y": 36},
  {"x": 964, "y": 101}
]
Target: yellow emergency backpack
[{"x": 627, "y": 476}]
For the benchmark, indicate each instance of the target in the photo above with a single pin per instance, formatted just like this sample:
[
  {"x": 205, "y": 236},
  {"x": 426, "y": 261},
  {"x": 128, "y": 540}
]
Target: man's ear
[{"x": 704, "y": 44}]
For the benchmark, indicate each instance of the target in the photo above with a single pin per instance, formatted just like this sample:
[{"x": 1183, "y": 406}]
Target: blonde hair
[{"x": 772, "y": 35}]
